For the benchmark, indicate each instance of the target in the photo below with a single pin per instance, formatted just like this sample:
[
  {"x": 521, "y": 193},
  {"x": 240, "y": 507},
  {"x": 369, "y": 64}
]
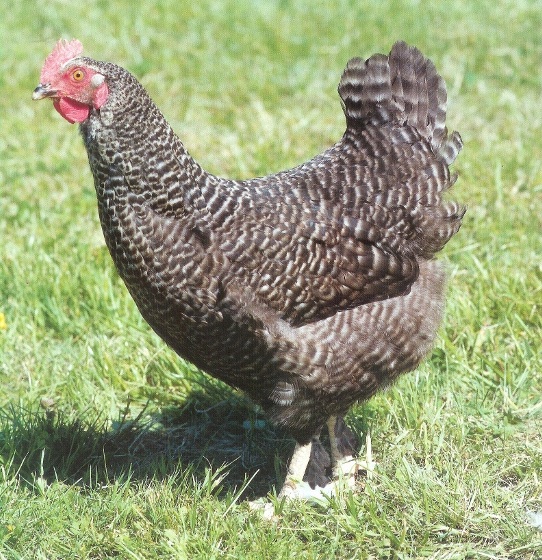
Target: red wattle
[{"x": 72, "y": 110}]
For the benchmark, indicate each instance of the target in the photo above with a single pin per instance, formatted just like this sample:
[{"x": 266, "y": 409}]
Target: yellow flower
[{"x": 3, "y": 324}]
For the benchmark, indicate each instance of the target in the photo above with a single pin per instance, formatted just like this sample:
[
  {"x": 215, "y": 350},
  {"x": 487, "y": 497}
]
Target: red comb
[{"x": 63, "y": 51}]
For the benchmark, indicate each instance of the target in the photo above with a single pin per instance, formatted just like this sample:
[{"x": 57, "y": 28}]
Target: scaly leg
[
  {"x": 293, "y": 487},
  {"x": 296, "y": 470},
  {"x": 344, "y": 465}
]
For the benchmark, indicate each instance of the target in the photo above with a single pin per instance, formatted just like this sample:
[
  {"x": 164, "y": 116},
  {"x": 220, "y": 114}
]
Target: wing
[
  {"x": 311, "y": 257},
  {"x": 348, "y": 227}
]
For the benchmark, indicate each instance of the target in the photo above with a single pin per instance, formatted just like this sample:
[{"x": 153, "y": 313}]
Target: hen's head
[{"x": 73, "y": 85}]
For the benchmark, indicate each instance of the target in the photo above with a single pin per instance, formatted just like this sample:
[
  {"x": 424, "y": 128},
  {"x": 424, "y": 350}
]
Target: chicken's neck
[
  {"x": 135, "y": 156},
  {"x": 148, "y": 164},
  {"x": 149, "y": 189}
]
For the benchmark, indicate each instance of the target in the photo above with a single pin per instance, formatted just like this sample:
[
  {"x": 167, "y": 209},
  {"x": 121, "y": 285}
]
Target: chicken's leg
[
  {"x": 344, "y": 465},
  {"x": 293, "y": 487},
  {"x": 296, "y": 470}
]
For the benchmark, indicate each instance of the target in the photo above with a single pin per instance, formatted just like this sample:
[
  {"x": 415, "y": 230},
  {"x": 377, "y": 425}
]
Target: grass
[{"x": 110, "y": 446}]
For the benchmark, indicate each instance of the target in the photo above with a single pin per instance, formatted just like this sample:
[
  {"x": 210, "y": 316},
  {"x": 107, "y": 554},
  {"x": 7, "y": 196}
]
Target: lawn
[{"x": 112, "y": 447}]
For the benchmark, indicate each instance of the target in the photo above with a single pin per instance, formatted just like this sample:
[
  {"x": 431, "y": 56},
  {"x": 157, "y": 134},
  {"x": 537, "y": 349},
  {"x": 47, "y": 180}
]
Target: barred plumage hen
[{"x": 308, "y": 289}]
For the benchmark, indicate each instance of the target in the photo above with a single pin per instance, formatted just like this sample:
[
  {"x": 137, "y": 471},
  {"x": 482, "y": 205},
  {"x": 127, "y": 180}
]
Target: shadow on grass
[{"x": 90, "y": 451}]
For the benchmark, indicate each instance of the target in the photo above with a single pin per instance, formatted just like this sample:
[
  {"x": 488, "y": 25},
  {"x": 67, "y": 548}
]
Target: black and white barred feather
[{"x": 311, "y": 288}]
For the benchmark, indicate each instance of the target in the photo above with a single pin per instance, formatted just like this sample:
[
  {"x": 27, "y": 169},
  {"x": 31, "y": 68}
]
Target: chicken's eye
[{"x": 78, "y": 75}]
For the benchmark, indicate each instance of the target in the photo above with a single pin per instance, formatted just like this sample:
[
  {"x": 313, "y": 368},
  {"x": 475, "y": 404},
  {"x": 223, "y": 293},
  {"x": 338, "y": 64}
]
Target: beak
[{"x": 43, "y": 91}]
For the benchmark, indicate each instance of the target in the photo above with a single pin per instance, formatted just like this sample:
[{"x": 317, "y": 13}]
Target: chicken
[{"x": 308, "y": 289}]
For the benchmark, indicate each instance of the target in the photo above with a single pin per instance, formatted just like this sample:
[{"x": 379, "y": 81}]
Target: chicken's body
[{"x": 308, "y": 289}]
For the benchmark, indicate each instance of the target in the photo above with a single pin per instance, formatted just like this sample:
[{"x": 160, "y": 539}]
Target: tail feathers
[
  {"x": 450, "y": 147},
  {"x": 403, "y": 87},
  {"x": 437, "y": 225}
]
